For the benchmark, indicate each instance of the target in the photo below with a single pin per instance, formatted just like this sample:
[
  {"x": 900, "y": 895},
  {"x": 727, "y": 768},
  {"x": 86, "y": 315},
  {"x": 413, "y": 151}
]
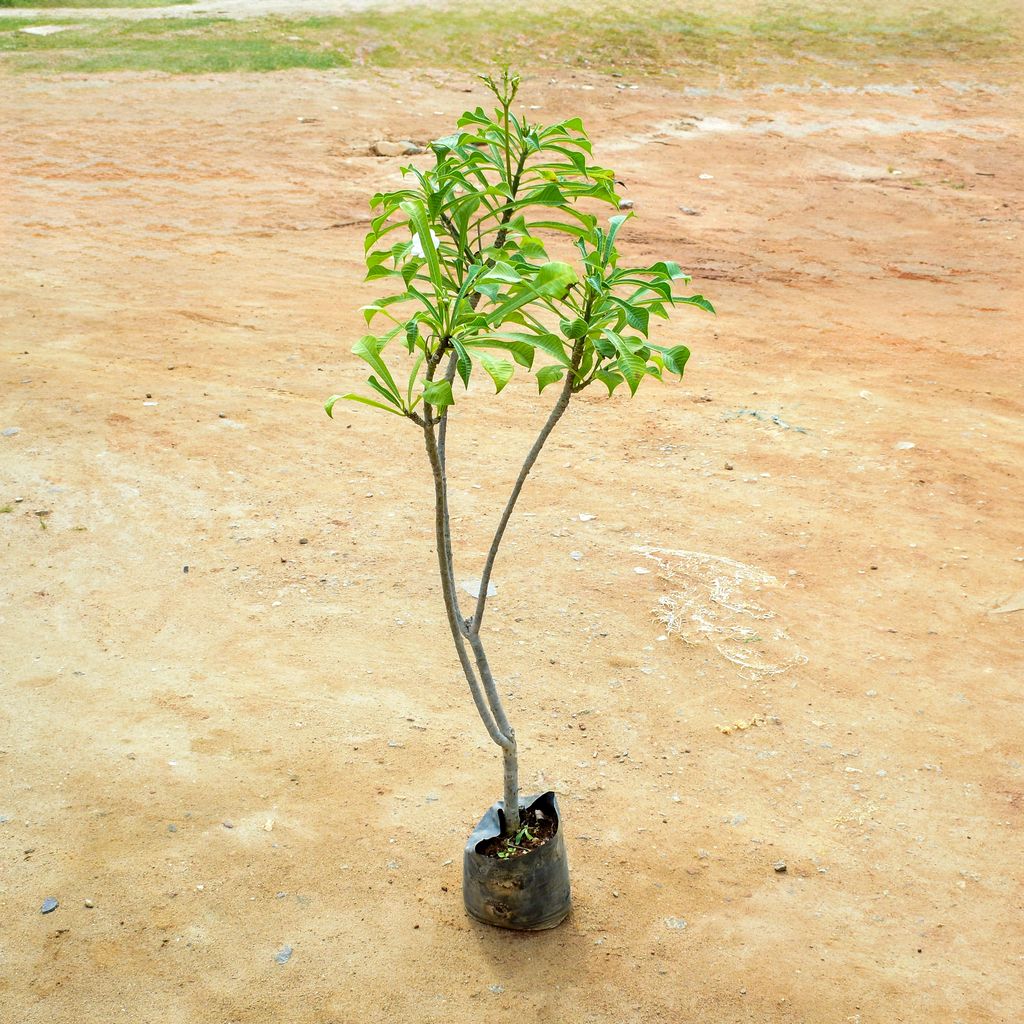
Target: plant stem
[
  {"x": 451, "y": 603},
  {"x": 531, "y": 457}
]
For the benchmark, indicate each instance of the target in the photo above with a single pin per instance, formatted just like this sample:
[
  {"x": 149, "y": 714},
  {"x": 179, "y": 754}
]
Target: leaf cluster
[{"x": 465, "y": 247}]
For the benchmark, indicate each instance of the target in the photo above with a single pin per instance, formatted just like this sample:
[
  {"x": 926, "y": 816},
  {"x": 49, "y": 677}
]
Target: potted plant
[{"x": 465, "y": 247}]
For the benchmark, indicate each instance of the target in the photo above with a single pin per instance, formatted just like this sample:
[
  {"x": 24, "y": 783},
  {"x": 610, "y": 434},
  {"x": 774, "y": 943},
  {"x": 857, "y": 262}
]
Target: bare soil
[{"x": 275, "y": 748}]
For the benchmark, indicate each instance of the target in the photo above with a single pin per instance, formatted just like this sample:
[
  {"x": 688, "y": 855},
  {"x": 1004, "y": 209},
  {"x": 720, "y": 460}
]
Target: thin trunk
[
  {"x": 531, "y": 458},
  {"x": 448, "y": 591},
  {"x": 511, "y": 797}
]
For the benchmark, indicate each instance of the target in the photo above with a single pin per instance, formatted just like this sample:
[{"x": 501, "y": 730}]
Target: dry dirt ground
[{"x": 182, "y": 271}]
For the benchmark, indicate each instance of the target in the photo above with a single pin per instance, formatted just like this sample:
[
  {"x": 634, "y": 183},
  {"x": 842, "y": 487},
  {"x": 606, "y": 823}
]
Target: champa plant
[{"x": 465, "y": 247}]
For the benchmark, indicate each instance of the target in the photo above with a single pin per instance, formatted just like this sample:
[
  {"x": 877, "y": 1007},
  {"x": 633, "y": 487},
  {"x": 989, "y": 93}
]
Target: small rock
[
  {"x": 283, "y": 955},
  {"x": 706, "y": 177},
  {"x": 46, "y": 30},
  {"x": 228, "y": 824},
  {"x": 676, "y": 923},
  {"x": 728, "y": 466},
  {"x": 184, "y": 569},
  {"x": 222, "y": 415},
  {"x": 496, "y": 989},
  {"x": 586, "y": 517},
  {"x": 779, "y": 867},
  {"x": 689, "y": 211},
  {"x": 904, "y": 446},
  {"x": 90, "y": 904},
  {"x": 576, "y": 555},
  {"x": 403, "y": 148},
  {"x": 172, "y": 828},
  {"x": 303, "y": 540},
  {"x": 50, "y": 904},
  {"x": 640, "y": 570},
  {"x": 10, "y": 431},
  {"x": 472, "y": 587},
  {"x": 268, "y": 825},
  {"x": 625, "y": 204}
]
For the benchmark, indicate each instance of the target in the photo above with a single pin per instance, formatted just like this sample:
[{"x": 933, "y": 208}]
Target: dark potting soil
[{"x": 539, "y": 829}]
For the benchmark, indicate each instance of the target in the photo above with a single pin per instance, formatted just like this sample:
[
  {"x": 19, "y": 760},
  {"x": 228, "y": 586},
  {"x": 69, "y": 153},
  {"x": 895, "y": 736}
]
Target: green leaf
[
  {"x": 368, "y": 349},
  {"x": 548, "y": 195},
  {"x": 694, "y": 300},
  {"x": 499, "y": 370},
  {"x": 463, "y": 363},
  {"x": 636, "y": 316},
  {"x": 675, "y": 359},
  {"x": 329, "y": 407},
  {"x": 438, "y": 393},
  {"x": 549, "y": 375},
  {"x": 520, "y": 351},
  {"x": 554, "y": 279},
  {"x": 614, "y": 224},
  {"x": 668, "y": 269},
  {"x": 384, "y": 393},
  {"x": 610, "y": 379},
  {"x": 550, "y": 343},
  {"x": 633, "y": 368},
  {"x": 574, "y": 328},
  {"x": 421, "y": 228}
]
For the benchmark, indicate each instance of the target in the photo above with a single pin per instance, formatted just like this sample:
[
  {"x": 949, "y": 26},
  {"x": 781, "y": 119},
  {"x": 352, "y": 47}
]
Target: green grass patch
[
  {"x": 44, "y": 4},
  {"x": 695, "y": 42}
]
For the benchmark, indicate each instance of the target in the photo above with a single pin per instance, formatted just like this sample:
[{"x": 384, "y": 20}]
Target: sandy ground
[{"x": 182, "y": 270}]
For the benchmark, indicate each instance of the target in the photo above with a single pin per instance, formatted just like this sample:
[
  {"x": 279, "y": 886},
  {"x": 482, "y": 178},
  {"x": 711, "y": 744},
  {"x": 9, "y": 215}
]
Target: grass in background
[
  {"x": 42, "y": 4},
  {"x": 701, "y": 41}
]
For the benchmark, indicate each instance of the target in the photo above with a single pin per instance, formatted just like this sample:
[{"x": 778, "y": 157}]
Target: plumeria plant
[{"x": 465, "y": 247}]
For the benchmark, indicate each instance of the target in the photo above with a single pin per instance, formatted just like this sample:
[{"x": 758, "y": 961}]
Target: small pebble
[
  {"x": 184, "y": 569},
  {"x": 303, "y": 540},
  {"x": 50, "y": 904},
  {"x": 728, "y": 466},
  {"x": 689, "y": 211},
  {"x": 10, "y": 431},
  {"x": 228, "y": 824},
  {"x": 283, "y": 955},
  {"x": 676, "y": 923},
  {"x": 172, "y": 828},
  {"x": 779, "y": 867},
  {"x": 625, "y": 204},
  {"x": 90, "y": 904}
]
